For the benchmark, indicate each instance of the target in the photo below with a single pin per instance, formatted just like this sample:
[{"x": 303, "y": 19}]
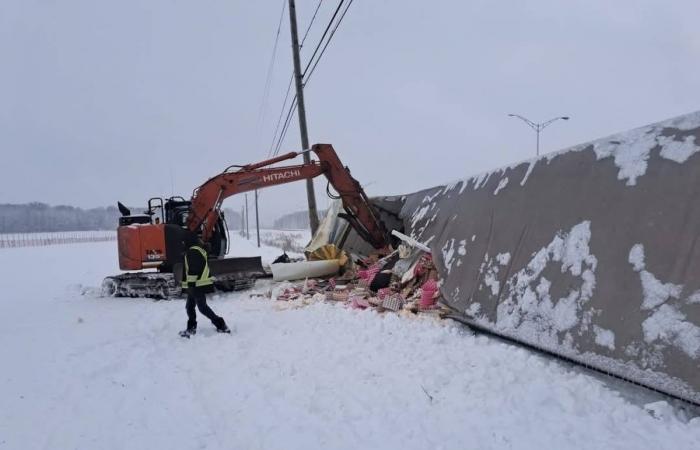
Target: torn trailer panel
[{"x": 335, "y": 229}]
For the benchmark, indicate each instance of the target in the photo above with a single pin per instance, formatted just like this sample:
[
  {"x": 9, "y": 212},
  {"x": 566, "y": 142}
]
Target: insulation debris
[{"x": 404, "y": 280}]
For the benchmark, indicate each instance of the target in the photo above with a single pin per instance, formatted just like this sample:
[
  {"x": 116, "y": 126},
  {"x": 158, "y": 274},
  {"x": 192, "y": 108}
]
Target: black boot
[
  {"x": 191, "y": 329},
  {"x": 221, "y": 326},
  {"x": 188, "y": 332}
]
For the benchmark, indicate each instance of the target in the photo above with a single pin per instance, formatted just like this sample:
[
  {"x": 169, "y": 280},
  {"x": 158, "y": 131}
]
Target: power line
[
  {"x": 310, "y": 23},
  {"x": 275, "y": 142},
  {"x": 268, "y": 80},
  {"x": 279, "y": 119},
  {"x": 327, "y": 42},
  {"x": 325, "y": 32},
  {"x": 293, "y": 105},
  {"x": 287, "y": 122}
]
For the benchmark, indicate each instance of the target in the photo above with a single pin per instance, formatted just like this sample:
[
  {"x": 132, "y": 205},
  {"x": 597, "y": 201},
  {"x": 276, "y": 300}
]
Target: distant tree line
[
  {"x": 34, "y": 217},
  {"x": 294, "y": 221},
  {"x": 40, "y": 217}
]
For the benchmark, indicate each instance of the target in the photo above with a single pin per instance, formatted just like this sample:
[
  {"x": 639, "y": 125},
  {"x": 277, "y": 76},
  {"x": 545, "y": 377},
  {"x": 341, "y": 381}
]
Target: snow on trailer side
[{"x": 589, "y": 253}]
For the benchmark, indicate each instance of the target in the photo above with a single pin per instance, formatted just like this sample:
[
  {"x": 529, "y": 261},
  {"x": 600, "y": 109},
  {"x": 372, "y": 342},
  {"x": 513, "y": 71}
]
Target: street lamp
[{"x": 538, "y": 126}]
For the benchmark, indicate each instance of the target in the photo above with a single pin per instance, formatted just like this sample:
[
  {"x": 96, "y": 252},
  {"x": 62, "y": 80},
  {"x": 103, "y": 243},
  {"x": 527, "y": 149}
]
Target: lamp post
[{"x": 538, "y": 126}]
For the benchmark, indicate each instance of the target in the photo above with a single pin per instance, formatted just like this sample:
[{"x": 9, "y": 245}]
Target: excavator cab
[{"x": 177, "y": 210}]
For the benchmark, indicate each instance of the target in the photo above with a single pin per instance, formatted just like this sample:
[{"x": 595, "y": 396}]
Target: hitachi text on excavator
[{"x": 150, "y": 245}]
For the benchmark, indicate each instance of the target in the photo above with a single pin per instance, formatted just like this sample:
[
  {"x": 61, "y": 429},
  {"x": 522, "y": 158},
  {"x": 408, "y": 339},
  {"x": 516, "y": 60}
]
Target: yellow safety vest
[{"x": 204, "y": 279}]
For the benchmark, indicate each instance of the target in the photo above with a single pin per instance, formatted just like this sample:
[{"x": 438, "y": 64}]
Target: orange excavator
[{"x": 155, "y": 240}]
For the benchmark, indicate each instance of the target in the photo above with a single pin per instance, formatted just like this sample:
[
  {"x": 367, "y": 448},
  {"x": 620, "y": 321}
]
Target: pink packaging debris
[{"x": 427, "y": 292}]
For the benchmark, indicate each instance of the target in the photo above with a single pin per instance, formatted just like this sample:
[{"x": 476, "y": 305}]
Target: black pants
[{"x": 197, "y": 296}]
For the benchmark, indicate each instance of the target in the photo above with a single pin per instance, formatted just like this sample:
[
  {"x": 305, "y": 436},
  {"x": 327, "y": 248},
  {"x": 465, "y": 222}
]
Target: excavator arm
[{"x": 207, "y": 198}]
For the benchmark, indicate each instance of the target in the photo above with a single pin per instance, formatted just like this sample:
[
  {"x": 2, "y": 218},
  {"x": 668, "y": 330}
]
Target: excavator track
[
  {"x": 155, "y": 285},
  {"x": 163, "y": 286}
]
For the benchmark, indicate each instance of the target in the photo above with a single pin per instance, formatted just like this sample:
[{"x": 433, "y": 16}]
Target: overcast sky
[{"x": 124, "y": 100}]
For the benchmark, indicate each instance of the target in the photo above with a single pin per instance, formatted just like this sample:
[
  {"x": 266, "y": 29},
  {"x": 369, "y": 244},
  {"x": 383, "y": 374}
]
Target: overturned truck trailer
[{"x": 591, "y": 253}]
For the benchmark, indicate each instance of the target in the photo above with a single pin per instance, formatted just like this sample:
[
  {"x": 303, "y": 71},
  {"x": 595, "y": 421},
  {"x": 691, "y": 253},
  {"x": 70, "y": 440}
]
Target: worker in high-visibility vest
[{"x": 197, "y": 281}]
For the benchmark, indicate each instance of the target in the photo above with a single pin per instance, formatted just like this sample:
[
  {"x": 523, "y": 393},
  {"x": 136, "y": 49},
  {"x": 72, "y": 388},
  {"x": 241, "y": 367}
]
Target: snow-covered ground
[{"x": 83, "y": 372}]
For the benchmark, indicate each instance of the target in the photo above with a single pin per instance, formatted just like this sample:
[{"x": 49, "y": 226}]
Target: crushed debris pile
[{"x": 403, "y": 281}]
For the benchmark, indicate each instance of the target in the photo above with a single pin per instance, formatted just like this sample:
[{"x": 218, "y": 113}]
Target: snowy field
[{"x": 83, "y": 372}]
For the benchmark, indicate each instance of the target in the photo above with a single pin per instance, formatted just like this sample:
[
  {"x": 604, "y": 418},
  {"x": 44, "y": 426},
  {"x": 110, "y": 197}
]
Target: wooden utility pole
[
  {"x": 257, "y": 220},
  {"x": 311, "y": 196},
  {"x": 247, "y": 222}
]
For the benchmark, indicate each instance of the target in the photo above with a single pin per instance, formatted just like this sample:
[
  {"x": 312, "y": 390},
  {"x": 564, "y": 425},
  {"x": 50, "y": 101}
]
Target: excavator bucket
[
  {"x": 249, "y": 265},
  {"x": 232, "y": 274},
  {"x": 235, "y": 274}
]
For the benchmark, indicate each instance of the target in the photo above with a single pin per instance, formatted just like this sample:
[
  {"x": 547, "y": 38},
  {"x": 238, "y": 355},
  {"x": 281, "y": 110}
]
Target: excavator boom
[{"x": 207, "y": 199}]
